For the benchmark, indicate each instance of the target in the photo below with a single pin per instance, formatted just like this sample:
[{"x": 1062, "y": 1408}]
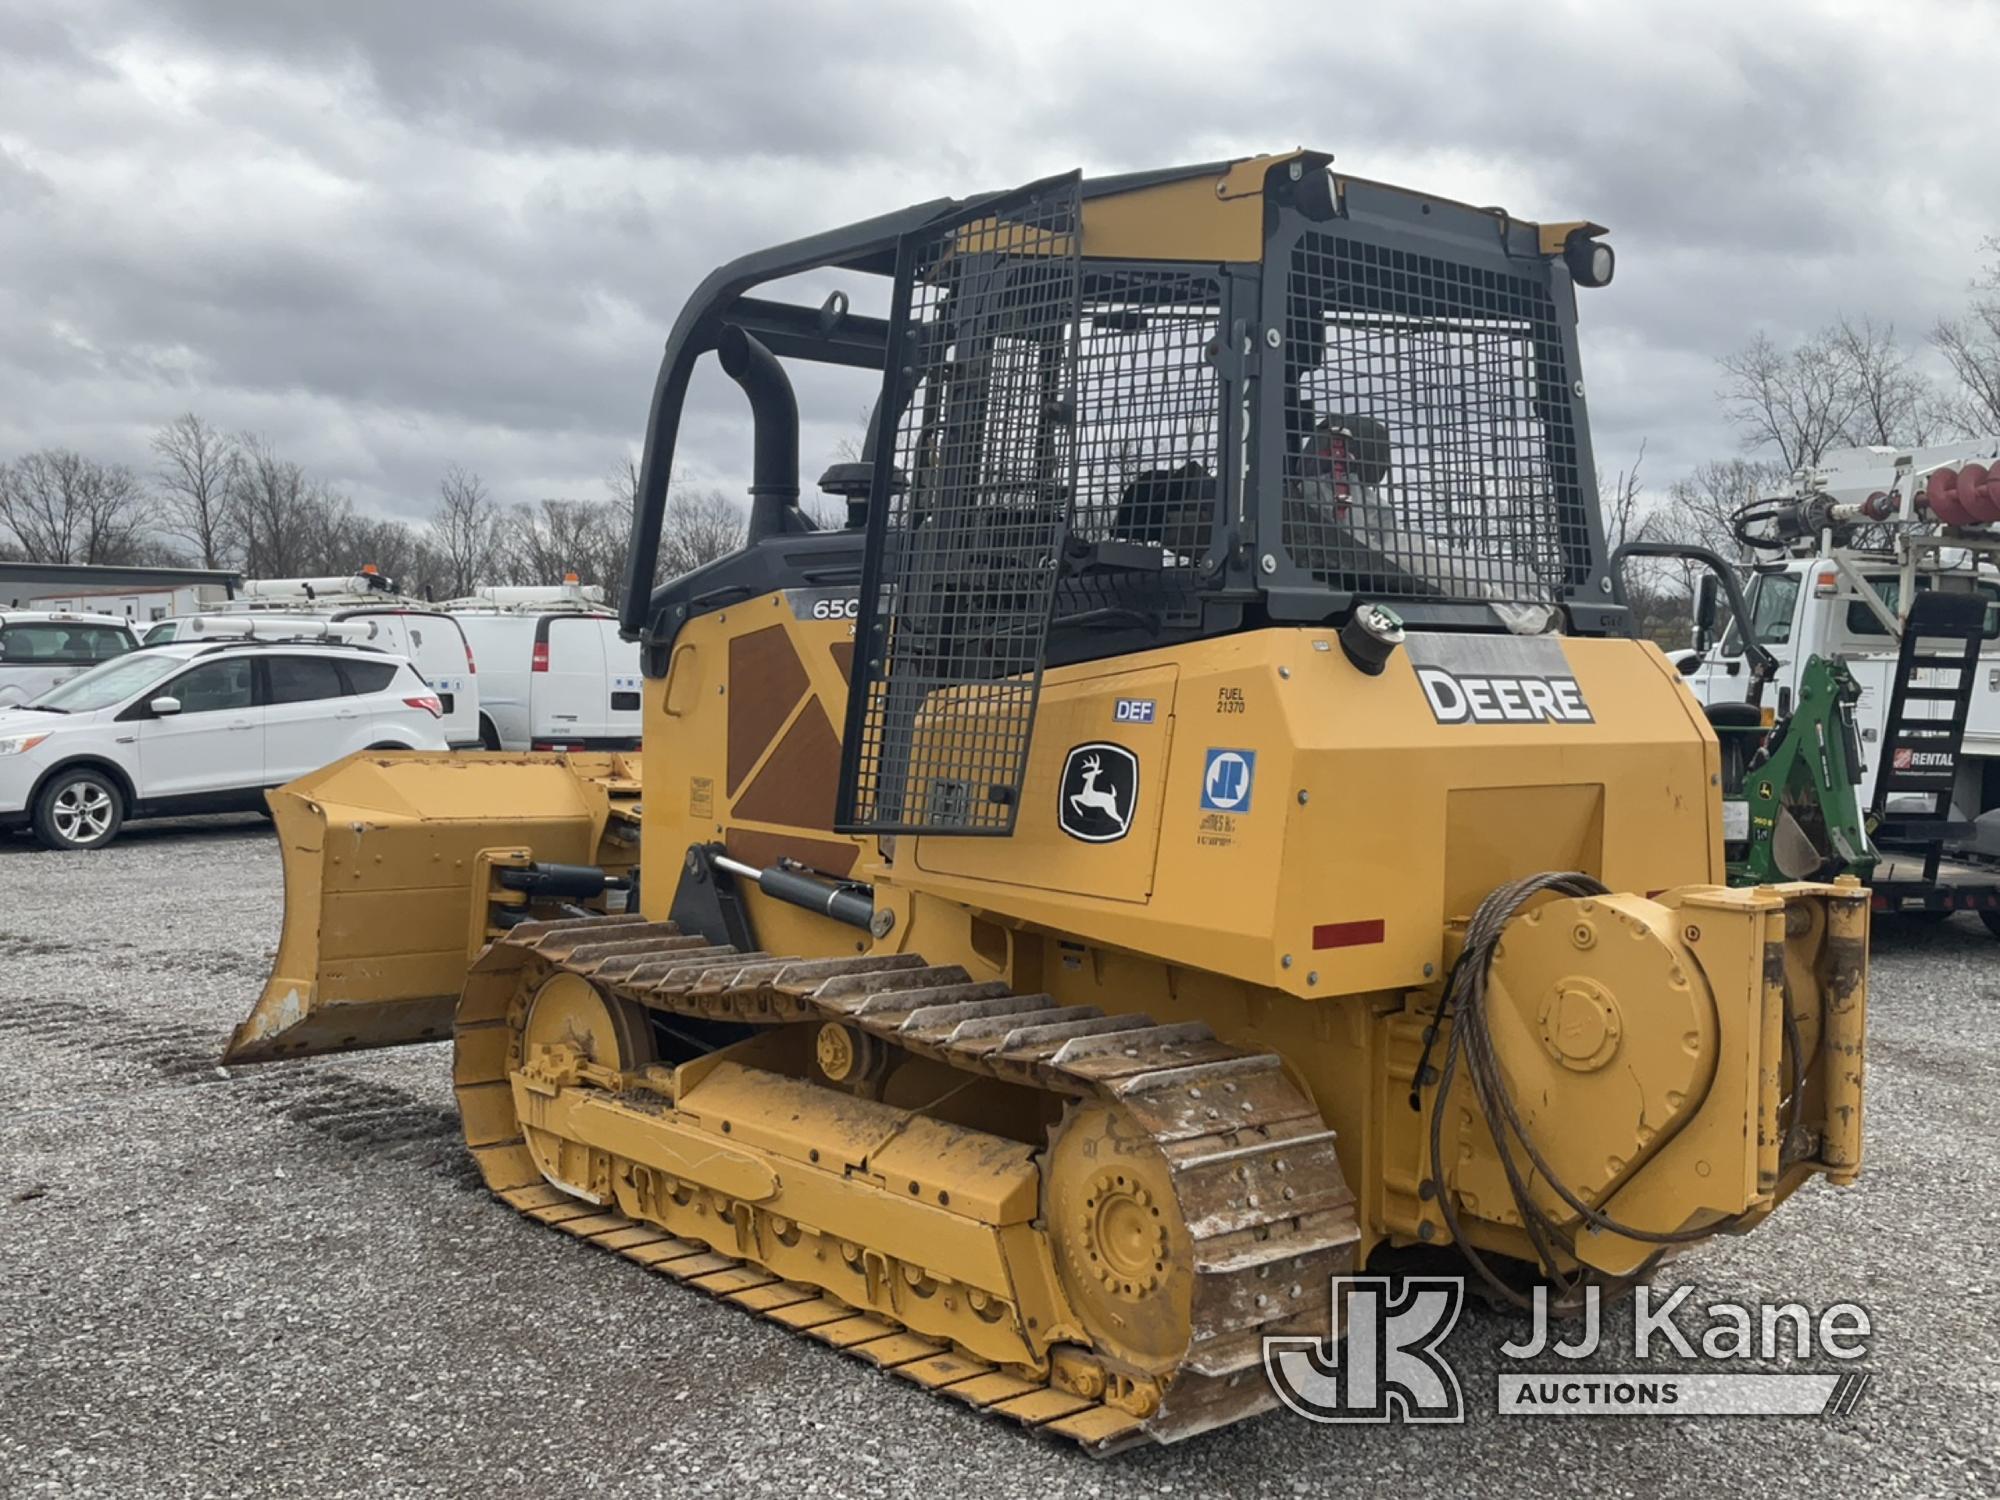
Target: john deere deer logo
[{"x": 1100, "y": 792}]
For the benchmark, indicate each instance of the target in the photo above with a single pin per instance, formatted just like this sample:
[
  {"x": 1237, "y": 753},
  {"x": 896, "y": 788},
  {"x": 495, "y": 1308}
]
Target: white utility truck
[
  {"x": 1888, "y": 562},
  {"x": 553, "y": 674}
]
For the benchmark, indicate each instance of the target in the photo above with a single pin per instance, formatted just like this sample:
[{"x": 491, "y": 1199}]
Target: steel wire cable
[{"x": 1471, "y": 1045}]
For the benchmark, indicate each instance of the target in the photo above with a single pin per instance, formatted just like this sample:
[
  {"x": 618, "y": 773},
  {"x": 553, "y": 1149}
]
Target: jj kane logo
[
  {"x": 1387, "y": 1367},
  {"x": 1383, "y": 1360},
  {"x": 1100, "y": 792}
]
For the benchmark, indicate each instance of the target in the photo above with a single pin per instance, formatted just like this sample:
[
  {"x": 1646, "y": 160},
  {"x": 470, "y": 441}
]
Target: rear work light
[
  {"x": 540, "y": 661},
  {"x": 428, "y": 703}
]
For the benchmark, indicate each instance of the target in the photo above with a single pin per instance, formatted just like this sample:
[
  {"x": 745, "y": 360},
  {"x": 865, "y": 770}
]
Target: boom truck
[
  {"x": 1868, "y": 639},
  {"x": 1197, "y": 831}
]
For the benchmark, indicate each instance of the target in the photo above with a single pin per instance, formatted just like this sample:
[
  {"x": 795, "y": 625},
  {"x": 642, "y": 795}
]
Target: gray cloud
[{"x": 397, "y": 236}]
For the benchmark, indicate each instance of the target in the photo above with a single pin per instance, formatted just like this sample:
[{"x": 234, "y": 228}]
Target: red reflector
[
  {"x": 540, "y": 660},
  {"x": 1347, "y": 934}
]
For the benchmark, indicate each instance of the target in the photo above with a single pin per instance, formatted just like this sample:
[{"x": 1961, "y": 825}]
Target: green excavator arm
[{"x": 1802, "y": 789}]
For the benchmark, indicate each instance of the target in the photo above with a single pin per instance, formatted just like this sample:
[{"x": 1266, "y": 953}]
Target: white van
[
  {"x": 428, "y": 638},
  {"x": 552, "y": 679},
  {"x": 41, "y": 648}
]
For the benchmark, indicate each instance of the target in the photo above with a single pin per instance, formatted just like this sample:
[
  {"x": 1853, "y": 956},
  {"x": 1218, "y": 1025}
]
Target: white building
[{"x": 140, "y": 595}]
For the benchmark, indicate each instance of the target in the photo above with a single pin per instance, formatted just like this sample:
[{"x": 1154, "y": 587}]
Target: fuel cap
[{"x": 1370, "y": 637}]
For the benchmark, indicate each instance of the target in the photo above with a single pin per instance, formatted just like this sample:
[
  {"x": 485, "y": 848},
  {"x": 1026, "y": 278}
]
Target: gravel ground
[{"x": 288, "y": 1281}]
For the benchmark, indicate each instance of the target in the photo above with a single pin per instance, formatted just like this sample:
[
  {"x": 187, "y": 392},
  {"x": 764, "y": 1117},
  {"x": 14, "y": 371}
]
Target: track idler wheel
[
  {"x": 1121, "y": 1247},
  {"x": 573, "y": 1031},
  {"x": 568, "y": 1011}
]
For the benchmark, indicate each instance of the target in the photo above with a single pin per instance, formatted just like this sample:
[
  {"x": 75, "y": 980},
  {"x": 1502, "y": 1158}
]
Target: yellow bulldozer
[{"x": 1199, "y": 829}]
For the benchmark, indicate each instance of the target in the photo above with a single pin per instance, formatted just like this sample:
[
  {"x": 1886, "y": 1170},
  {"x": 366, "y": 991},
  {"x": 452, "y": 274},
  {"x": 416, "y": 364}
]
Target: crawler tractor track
[{"x": 1241, "y": 1149}]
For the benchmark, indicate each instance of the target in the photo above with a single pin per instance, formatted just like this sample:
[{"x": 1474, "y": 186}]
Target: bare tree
[
  {"x": 326, "y": 541},
  {"x": 62, "y": 507},
  {"x": 118, "y": 517},
  {"x": 197, "y": 464},
  {"x": 1700, "y": 507},
  {"x": 1850, "y": 384},
  {"x": 1971, "y": 346},
  {"x": 1697, "y": 511},
  {"x": 1652, "y": 587},
  {"x": 1895, "y": 404},
  {"x": 1626, "y": 516},
  {"x": 541, "y": 542},
  {"x": 277, "y": 513},
  {"x": 853, "y": 448},
  {"x": 397, "y": 550},
  {"x": 462, "y": 534},
  {"x": 699, "y": 527},
  {"x": 38, "y": 504},
  {"x": 623, "y": 482},
  {"x": 1798, "y": 403}
]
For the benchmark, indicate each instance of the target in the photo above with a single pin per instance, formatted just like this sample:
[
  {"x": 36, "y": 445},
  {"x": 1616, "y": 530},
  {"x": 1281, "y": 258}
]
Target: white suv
[
  {"x": 200, "y": 727},
  {"x": 40, "y": 648},
  {"x": 430, "y": 640}
]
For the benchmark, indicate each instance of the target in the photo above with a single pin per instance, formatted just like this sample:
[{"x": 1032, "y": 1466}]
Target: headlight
[
  {"x": 21, "y": 744},
  {"x": 1591, "y": 262}
]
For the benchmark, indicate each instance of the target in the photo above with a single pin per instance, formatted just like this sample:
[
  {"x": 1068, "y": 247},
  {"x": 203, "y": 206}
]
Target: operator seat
[{"x": 1739, "y": 728}]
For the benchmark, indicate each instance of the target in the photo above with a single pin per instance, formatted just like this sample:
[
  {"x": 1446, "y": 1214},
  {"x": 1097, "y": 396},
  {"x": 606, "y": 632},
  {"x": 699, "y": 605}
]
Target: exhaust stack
[{"x": 774, "y": 475}]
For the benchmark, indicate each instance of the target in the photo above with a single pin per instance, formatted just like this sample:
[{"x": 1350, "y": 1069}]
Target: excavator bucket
[{"x": 385, "y": 889}]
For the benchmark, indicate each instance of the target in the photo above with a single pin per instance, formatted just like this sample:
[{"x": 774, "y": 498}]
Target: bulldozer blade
[{"x": 381, "y": 859}]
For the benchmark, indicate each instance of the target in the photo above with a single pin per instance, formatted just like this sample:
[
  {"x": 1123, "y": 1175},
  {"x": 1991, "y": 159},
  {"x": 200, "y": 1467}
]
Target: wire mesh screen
[
  {"x": 1148, "y": 438},
  {"x": 1149, "y": 412},
  {"x": 1430, "y": 443},
  {"x": 967, "y": 531}
]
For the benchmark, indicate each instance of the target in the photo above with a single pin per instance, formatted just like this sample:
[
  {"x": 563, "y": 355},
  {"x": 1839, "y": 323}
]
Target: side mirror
[
  {"x": 164, "y": 706},
  {"x": 1690, "y": 663},
  {"x": 1704, "y": 611}
]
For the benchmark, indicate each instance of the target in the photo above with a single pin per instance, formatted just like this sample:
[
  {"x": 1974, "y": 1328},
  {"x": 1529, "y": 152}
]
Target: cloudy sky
[{"x": 393, "y": 235}]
